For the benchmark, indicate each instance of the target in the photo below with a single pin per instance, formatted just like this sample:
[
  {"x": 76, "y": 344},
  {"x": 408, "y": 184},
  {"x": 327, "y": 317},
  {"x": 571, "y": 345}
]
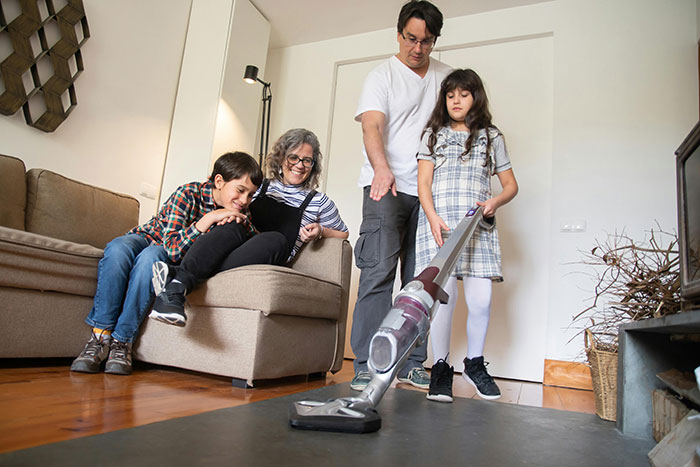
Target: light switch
[{"x": 148, "y": 191}]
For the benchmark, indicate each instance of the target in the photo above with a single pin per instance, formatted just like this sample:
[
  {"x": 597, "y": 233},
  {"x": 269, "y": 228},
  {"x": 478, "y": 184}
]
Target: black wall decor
[{"x": 40, "y": 58}]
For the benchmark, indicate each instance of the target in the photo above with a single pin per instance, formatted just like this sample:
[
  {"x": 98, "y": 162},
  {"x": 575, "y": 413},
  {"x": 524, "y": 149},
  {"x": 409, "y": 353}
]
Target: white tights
[{"x": 477, "y": 292}]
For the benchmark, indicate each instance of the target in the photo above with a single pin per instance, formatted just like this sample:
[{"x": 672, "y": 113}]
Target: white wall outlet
[
  {"x": 148, "y": 191},
  {"x": 572, "y": 225}
]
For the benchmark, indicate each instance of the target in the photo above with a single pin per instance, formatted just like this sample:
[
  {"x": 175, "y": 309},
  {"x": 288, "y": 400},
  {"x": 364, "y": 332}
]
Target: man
[{"x": 396, "y": 101}]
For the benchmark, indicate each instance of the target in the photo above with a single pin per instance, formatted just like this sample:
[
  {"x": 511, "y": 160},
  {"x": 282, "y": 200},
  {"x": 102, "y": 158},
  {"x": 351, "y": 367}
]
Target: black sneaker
[
  {"x": 91, "y": 358},
  {"x": 441, "y": 382},
  {"x": 169, "y": 306},
  {"x": 475, "y": 373},
  {"x": 119, "y": 361}
]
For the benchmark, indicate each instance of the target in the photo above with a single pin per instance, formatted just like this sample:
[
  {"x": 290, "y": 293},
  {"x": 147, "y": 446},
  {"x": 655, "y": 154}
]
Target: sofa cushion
[
  {"x": 35, "y": 262},
  {"x": 13, "y": 192},
  {"x": 62, "y": 208},
  {"x": 254, "y": 287}
]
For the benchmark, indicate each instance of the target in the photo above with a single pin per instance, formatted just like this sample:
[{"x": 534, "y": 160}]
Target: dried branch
[{"x": 633, "y": 281}]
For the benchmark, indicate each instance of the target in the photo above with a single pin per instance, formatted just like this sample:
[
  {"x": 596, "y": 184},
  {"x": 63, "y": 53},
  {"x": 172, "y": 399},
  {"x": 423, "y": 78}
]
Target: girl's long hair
[{"x": 478, "y": 117}]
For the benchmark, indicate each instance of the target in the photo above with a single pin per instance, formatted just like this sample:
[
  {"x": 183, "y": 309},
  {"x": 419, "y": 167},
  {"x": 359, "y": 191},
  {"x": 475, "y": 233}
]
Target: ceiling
[{"x": 296, "y": 22}]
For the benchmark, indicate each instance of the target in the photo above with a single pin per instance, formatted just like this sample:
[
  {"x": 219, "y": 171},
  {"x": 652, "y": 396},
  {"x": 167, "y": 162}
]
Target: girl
[{"x": 460, "y": 150}]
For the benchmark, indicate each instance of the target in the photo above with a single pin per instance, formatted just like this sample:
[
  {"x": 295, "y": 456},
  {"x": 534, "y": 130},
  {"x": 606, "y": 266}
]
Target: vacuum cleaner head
[{"x": 346, "y": 415}]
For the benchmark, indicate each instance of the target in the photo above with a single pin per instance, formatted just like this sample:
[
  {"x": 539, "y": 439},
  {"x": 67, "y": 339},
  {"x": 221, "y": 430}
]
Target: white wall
[
  {"x": 625, "y": 95},
  {"x": 117, "y": 135},
  {"x": 130, "y": 113},
  {"x": 215, "y": 111},
  {"x": 237, "y": 120},
  {"x": 199, "y": 87}
]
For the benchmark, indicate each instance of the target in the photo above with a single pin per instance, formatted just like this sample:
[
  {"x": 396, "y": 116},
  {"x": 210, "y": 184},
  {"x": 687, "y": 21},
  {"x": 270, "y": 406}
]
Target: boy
[{"x": 124, "y": 292}]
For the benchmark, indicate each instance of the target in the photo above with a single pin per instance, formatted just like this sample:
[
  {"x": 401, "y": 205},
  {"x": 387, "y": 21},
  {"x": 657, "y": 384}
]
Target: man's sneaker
[
  {"x": 169, "y": 306},
  {"x": 119, "y": 361},
  {"x": 441, "y": 382},
  {"x": 161, "y": 275},
  {"x": 417, "y": 377},
  {"x": 475, "y": 373},
  {"x": 361, "y": 380},
  {"x": 91, "y": 358}
]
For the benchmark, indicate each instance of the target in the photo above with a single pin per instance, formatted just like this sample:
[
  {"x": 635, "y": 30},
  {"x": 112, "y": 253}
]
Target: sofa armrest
[
  {"x": 13, "y": 192},
  {"x": 330, "y": 259},
  {"x": 324, "y": 259},
  {"x": 36, "y": 262}
]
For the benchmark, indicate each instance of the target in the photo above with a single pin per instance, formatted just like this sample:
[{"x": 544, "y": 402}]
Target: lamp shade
[{"x": 251, "y": 74}]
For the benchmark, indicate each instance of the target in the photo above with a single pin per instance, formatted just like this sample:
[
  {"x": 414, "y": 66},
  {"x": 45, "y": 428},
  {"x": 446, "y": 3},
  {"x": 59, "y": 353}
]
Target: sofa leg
[
  {"x": 315, "y": 376},
  {"x": 240, "y": 383}
]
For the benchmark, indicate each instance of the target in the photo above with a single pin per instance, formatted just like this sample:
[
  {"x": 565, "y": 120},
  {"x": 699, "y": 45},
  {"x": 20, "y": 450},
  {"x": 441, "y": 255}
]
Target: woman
[{"x": 286, "y": 210}]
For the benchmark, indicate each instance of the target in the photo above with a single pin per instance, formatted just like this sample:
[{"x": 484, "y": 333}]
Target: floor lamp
[{"x": 251, "y": 76}]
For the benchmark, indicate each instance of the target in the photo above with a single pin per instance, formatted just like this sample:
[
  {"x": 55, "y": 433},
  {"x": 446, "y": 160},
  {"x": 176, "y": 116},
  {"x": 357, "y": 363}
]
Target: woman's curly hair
[{"x": 284, "y": 145}]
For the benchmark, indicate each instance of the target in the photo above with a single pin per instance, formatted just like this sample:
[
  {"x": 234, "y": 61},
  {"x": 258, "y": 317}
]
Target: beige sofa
[{"x": 250, "y": 323}]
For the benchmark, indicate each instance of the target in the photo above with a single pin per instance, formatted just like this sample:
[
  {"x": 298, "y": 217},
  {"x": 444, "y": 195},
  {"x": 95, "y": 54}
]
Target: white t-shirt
[{"x": 406, "y": 100}]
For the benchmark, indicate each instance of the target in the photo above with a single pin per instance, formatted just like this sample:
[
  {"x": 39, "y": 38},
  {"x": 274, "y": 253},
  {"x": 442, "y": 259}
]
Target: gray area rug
[{"x": 414, "y": 431}]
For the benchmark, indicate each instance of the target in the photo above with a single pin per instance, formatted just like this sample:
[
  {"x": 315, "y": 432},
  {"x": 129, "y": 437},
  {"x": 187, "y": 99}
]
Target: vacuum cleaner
[{"x": 406, "y": 326}]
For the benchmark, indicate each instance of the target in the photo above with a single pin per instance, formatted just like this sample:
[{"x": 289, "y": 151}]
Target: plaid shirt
[{"x": 174, "y": 225}]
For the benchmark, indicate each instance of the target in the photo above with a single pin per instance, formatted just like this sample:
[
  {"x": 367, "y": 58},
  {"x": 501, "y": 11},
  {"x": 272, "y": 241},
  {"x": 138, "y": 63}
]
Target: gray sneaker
[
  {"x": 417, "y": 377},
  {"x": 161, "y": 274},
  {"x": 361, "y": 380},
  {"x": 93, "y": 355},
  {"x": 119, "y": 361}
]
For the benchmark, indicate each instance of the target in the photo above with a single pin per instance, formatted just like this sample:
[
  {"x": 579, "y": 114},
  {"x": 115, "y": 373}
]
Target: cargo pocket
[{"x": 367, "y": 246}]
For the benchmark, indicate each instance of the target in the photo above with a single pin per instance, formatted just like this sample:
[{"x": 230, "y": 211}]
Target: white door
[
  {"x": 343, "y": 162},
  {"x": 518, "y": 79}
]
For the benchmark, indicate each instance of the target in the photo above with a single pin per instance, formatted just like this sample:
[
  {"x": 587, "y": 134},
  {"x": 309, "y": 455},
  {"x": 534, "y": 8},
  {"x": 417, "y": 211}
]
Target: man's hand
[
  {"x": 382, "y": 182},
  {"x": 373, "y": 139}
]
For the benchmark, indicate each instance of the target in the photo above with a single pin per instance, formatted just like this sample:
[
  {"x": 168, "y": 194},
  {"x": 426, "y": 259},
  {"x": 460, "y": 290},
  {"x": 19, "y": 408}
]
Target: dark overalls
[{"x": 228, "y": 246}]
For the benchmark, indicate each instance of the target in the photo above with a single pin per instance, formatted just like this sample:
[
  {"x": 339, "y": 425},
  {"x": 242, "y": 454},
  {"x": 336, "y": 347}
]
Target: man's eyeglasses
[
  {"x": 424, "y": 44},
  {"x": 307, "y": 162}
]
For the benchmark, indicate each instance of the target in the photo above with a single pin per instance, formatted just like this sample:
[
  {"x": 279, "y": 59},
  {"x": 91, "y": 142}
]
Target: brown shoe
[
  {"x": 93, "y": 355},
  {"x": 119, "y": 361}
]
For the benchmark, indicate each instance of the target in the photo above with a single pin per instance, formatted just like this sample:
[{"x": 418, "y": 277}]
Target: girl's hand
[
  {"x": 490, "y": 206},
  {"x": 437, "y": 225},
  {"x": 310, "y": 232}
]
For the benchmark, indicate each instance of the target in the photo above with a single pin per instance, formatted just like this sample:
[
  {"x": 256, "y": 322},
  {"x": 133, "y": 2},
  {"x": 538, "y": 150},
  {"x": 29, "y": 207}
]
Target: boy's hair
[
  {"x": 233, "y": 165},
  {"x": 478, "y": 117},
  {"x": 422, "y": 10},
  {"x": 289, "y": 141}
]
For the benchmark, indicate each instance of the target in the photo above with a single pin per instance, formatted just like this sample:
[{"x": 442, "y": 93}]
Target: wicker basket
[{"x": 604, "y": 376}]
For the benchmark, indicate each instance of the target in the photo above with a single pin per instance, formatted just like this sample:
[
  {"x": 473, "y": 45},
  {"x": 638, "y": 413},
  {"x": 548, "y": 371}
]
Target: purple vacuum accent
[{"x": 427, "y": 276}]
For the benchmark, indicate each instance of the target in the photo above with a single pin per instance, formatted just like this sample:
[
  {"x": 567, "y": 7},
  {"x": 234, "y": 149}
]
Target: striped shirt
[
  {"x": 321, "y": 209},
  {"x": 174, "y": 225}
]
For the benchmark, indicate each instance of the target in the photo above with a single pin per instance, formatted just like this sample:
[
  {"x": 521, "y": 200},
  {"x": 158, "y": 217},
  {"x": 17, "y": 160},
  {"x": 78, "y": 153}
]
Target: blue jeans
[
  {"x": 387, "y": 234},
  {"x": 124, "y": 291}
]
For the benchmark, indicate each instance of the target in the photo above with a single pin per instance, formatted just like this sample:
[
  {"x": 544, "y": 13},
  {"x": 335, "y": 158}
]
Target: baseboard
[{"x": 573, "y": 375}]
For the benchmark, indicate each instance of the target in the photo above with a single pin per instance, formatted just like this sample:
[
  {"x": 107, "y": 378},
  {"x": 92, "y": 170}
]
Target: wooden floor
[{"x": 42, "y": 402}]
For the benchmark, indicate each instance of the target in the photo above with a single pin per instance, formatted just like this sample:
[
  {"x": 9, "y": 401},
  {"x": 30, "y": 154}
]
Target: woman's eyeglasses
[{"x": 293, "y": 159}]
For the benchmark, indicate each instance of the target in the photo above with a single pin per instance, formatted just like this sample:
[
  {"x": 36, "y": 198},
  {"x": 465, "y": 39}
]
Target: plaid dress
[{"x": 459, "y": 181}]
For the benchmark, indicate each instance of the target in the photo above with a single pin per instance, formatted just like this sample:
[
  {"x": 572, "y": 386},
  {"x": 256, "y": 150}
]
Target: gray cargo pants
[{"x": 387, "y": 234}]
